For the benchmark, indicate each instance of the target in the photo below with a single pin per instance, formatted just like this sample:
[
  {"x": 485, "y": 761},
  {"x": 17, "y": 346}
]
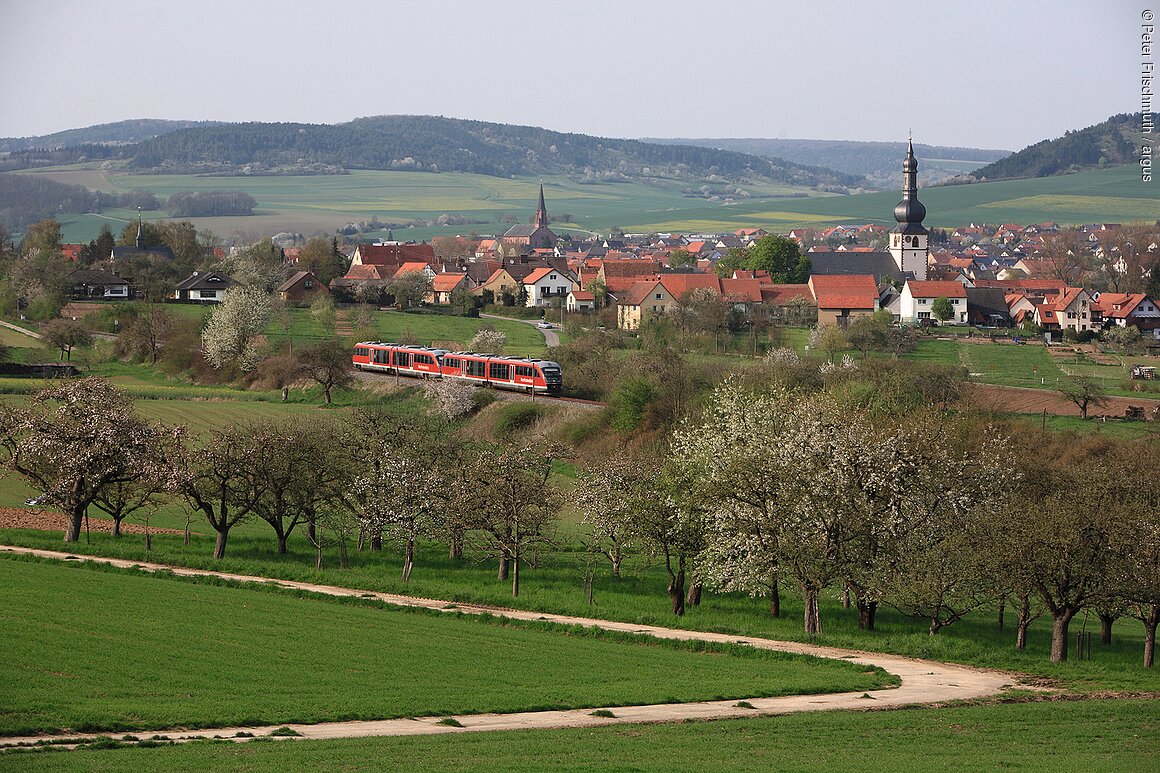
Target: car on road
[{"x": 545, "y": 325}]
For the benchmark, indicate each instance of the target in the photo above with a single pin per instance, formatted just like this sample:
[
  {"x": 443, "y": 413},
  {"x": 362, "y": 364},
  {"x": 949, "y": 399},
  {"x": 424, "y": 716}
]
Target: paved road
[
  {"x": 551, "y": 338},
  {"x": 923, "y": 681}
]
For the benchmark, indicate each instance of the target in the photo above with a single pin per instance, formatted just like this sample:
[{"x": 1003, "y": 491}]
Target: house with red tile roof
[
  {"x": 443, "y": 285},
  {"x": 916, "y": 300},
  {"x": 548, "y": 284},
  {"x": 843, "y": 297},
  {"x": 415, "y": 267},
  {"x": 1123, "y": 309},
  {"x": 392, "y": 253},
  {"x": 581, "y": 300}
]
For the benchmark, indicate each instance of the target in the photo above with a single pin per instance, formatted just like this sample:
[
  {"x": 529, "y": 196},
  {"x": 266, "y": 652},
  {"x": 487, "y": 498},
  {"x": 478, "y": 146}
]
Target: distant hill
[
  {"x": 427, "y": 143},
  {"x": 879, "y": 162},
  {"x": 121, "y": 132},
  {"x": 1111, "y": 143}
]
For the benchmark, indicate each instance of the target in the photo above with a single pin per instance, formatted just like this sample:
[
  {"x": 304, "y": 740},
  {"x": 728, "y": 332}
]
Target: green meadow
[
  {"x": 1103, "y": 735},
  {"x": 97, "y": 650},
  {"x": 324, "y": 203}
]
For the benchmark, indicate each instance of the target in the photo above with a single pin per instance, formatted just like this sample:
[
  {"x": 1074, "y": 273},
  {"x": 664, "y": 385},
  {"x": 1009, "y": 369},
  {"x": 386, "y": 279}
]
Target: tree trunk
[
  {"x": 677, "y": 589},
  {"x": 409, "y": 560},
  {"x": 311, "y": 531},
  {"x": 455, "y": 549},
  {"x": 219, "y": 548},
  {"x": 318, "y": 558},
  {"x": 774, "y": 598},
  {"x": 1106, "y": 620},
  {"x": 846, "y": 597},
  {"x": 377, "y": 540},
  {"x": 1150, "y": 621},
  {"x": 326, "y": 394},
  {"x": 73, "y": 531},
  {"x": 285, "y": 394},
  {"x": 867, "y": 611},
  {"x": 281, "y": 544},
  {"x": 1059, "y": 624},
  {"x": 117, "y": 527},
  {"x": 504, "y": 564},
  {"x": 1002, "y": 609},
  {"x": 615, "y": 560},
  {"x": 935, "y": 625},
  {"x": 693, "y": 597},
  {"x": 342, "y": 554},
  {"x": 1024, "y": 622},
  {"x": 813, "y": 619}
]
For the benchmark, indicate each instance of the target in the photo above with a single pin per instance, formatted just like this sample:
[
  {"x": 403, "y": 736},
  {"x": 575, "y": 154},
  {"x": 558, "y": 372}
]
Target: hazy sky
[{"x": 997, "y": 74}]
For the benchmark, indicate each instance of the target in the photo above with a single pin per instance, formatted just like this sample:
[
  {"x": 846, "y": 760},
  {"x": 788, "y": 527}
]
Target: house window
[
  {"x": 924, "y": 315},
  {"x": 207, "y": 293},
  {"x": 658, "y": 296},
  {"x": 922, "y": 301},
  {"x": 307, "y": 284}
]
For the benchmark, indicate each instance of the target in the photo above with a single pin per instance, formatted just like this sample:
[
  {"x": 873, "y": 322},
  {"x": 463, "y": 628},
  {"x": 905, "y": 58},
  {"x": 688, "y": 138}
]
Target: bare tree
[
  {"x": 1085, "y": 392},
  {"x": 328, "y": 364},
  {"x": 66, "y": 334}
]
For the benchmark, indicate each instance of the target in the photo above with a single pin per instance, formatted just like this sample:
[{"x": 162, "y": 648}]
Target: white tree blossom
[
  {"x": 488, "y": 340},
  {"x": 232, "y": 329},
  {"x": 452, "y": 398}
]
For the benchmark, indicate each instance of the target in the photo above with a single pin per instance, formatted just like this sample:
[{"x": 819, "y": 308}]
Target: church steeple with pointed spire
[
  {"x": 140, "y": 231},
  {"x": 541, "y": 211},
  {"x": 909, "y": 240}
]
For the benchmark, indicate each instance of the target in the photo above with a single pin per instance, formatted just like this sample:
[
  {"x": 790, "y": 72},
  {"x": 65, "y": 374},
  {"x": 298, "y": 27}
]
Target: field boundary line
[{"x": 922, "y": 681}]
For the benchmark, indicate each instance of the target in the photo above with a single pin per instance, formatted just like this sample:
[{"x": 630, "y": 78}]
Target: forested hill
[
  {"x": 121, "y": 132},
  {"x": 880, "y": 162},
  {"x": 1111, "y": 143},
  {"x": 426, "y": 143}
]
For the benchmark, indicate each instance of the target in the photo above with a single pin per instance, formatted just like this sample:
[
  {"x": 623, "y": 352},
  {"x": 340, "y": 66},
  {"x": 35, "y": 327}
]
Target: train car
[
  {"x": 419, "y": 361},
  {"x": 516, "y": 373}
]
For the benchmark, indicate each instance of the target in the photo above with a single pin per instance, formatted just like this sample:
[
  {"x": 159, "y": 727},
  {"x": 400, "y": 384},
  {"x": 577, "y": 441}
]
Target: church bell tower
[{"x": 909, "y": 241}]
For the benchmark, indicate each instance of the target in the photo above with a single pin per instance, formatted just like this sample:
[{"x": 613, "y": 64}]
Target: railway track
[{"x": 371, "y": 377}]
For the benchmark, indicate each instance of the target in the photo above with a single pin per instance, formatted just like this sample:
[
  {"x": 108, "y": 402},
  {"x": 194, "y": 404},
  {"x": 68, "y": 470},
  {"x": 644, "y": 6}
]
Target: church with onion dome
[{"x": 909, "y": 241}]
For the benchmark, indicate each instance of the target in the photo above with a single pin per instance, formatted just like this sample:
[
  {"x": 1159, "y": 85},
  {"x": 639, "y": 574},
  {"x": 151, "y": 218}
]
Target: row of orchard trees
[
  {"x": 368, "y": 479},
  {"x": 935, "y": 514}
]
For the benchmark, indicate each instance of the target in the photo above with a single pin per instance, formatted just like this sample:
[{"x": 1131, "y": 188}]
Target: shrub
[
  {"x": 629, "y": 402},
  {"x": 517, "y": 416}
]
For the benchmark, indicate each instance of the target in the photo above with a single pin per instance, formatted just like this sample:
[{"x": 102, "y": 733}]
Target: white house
[
  {"x": 544, "y": 285},
  {"x": 581, "y": 300},
  {"x": 207, "y": 287},
  {"x": 918, "y": 297}
]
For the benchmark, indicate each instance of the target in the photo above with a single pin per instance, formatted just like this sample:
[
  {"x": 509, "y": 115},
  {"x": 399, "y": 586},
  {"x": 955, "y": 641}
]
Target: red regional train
[{"x": 518, "y": 373}]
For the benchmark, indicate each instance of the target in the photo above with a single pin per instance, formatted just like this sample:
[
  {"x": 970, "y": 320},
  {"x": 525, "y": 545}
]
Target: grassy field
[
  {"x": 1093, "y": 735},
  {"x": 322, "y": 204},
  {"x": 143, "y": 652},
  {"x": 555, "y": 585}
]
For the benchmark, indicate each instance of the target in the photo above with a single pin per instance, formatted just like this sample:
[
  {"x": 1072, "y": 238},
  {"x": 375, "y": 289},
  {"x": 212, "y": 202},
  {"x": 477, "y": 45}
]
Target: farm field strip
[{"x": 921, "y": 681}]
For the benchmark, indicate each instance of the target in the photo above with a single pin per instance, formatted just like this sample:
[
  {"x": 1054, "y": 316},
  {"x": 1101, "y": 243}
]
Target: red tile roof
[
  {"x": 445, "y": 283},
  {"x": 383, "y": 254},
  {"x": 741, "y": 289},
  {"x": 849, "y": 291},
  {"x": 679, "y": 284},
  {"x": 950, "y": 289},
  {"x": 410, "y": 268}
]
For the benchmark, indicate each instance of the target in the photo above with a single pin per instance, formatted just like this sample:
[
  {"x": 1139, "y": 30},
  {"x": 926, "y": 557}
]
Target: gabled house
[
  {"x": 302, "y": 286},
  {"x": 500, "y": 284},
  {"x": 643, "y": 299},
  {"x": 92, "y": 284},
  {"x": 546, "y": 284},
  {"x": 917, "y": 298},
  {"x": 1123, "y": 309},
  {"x": 1073, "y": 309},
  {"x": 204, "y": 287},
  {"x": 443, "y": 285},
  {"x": 843, "y": 297},
  {"x": 581, "y": 300}
]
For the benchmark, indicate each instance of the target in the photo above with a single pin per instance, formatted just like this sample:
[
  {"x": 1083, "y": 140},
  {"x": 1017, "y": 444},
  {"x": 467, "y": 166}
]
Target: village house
[
  {"x": 842, "y": 298},
  {"x": 581, "y": 300},
  {"x": 204, "y": 287},
  {"x": 303, "y": 286},
  {"x": 92, "y": 284},
  {"x": 917, "y": 298},
  {"x": 1123, "y": 309},
  {"x": 545, "y": 285},
  {"x": 444, "y": 285}
]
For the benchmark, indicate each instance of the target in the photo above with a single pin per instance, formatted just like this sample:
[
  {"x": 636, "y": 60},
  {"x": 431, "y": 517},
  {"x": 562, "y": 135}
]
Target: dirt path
[
  {"x": 922, "y": 681},
  {"x": 1025, "y": 400}
]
